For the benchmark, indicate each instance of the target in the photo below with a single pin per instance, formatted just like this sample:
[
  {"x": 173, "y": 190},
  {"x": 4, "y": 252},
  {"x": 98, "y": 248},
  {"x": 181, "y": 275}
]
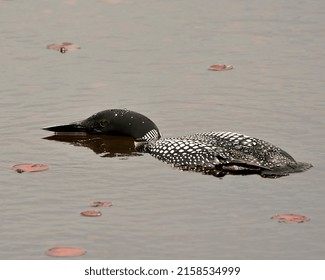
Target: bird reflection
[{"x": 106, "y": 146}]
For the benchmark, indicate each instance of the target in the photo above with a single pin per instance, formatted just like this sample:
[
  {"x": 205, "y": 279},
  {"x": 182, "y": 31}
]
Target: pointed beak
[{"x": 68, "y": 128}]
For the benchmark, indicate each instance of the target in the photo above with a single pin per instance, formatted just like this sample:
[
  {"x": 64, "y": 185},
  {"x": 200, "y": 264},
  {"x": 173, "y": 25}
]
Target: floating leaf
[
  {"x": 29, "y": 167},
  {"x": 64, "y": 47},
  {"x": 101, "y": 203},
  {"x": 91, "y": 213},
  {"x": 66, "y": 252},
  {"x": 220, "y": 67},
  {"x": 291, "y": 218}
]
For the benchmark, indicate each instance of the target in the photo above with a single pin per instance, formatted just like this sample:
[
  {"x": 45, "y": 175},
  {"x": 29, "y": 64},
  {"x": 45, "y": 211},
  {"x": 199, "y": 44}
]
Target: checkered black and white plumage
[
  {"x": 225, "y": 151},
  {"x": 151, "y": 135}
]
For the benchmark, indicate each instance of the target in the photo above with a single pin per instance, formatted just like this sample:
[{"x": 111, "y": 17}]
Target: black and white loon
[{"x": 216, "y": 153}]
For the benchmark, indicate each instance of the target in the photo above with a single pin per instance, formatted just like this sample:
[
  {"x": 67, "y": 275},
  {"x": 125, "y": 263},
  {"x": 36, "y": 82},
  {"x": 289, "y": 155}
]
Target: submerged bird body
[{"x": 213, "y": 153}]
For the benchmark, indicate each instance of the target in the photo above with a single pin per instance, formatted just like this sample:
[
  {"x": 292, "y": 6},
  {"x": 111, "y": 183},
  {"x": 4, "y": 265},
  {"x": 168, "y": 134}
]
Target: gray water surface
[{"x": 152, "y": 57}]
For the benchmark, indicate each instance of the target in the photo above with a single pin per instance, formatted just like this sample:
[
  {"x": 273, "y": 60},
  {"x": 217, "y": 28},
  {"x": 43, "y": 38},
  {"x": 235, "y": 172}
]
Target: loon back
[
  {"x": 209, "y": 152},
  {"x": 251, "y": 150},
  {"x": 219, "y": 153}
]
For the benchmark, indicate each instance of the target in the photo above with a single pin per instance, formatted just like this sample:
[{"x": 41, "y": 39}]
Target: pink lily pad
[
  {"x": 29, "y": 167},
  {"x": 291, "y": 218},
  {"x": 220, "y": 67},
  {"x": 91, "y": 213},
  {"x": 64, "y": 47},
  {"x": 101, "y": 203},
  {"x": 66, "y": 252}
]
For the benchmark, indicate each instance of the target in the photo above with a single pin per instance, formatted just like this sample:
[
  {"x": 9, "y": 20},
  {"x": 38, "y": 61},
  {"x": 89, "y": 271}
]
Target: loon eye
[{"x": 103, "y": 123}]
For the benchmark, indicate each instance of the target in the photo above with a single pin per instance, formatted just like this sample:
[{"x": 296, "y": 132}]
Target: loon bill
[{"x": 215, "y": 153}]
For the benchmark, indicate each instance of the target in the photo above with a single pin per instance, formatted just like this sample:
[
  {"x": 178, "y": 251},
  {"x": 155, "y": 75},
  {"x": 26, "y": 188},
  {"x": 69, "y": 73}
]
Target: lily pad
[
  {"x": 91, "y": 213},
  {"x": 29, "y": 167},
  {"x": 291, "y": 218},
  {"x": 220, "y": 67},
  {"x": 64, "y": 47},
  {"x": 101, "y": 204},
  {"x": 66, "y": 252}
]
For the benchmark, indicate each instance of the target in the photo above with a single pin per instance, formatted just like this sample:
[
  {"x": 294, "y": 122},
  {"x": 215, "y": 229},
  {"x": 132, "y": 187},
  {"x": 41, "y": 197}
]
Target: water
[{"x": 152, "y": 57}]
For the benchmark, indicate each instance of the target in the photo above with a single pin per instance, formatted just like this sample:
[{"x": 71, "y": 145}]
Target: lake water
[{"x": 152, "y": 57}]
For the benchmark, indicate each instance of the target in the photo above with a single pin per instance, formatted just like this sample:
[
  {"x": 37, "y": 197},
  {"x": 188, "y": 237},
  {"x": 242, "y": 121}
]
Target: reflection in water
[{"x": 106, "y": 146}]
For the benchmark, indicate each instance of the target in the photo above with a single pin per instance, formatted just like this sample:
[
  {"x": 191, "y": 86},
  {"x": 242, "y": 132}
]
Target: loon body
[{"x": 216, "y": 153}]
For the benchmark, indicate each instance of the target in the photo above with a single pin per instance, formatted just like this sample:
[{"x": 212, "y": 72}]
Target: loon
[{"x": 215, "y": 153}]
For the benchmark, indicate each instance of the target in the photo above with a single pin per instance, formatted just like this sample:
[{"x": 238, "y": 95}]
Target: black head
[{"x": 120, "y": 122}]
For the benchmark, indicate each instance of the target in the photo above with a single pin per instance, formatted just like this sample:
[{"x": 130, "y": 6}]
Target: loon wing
[
  {"x": 247, "y": 149},
  {"x": 225, "y": 152},
  {"x": 196, "y": 155}
]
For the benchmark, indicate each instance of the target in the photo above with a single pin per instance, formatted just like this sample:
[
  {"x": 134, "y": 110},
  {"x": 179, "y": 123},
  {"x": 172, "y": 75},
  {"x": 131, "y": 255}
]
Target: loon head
[{"x": 119, "y": 122}]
